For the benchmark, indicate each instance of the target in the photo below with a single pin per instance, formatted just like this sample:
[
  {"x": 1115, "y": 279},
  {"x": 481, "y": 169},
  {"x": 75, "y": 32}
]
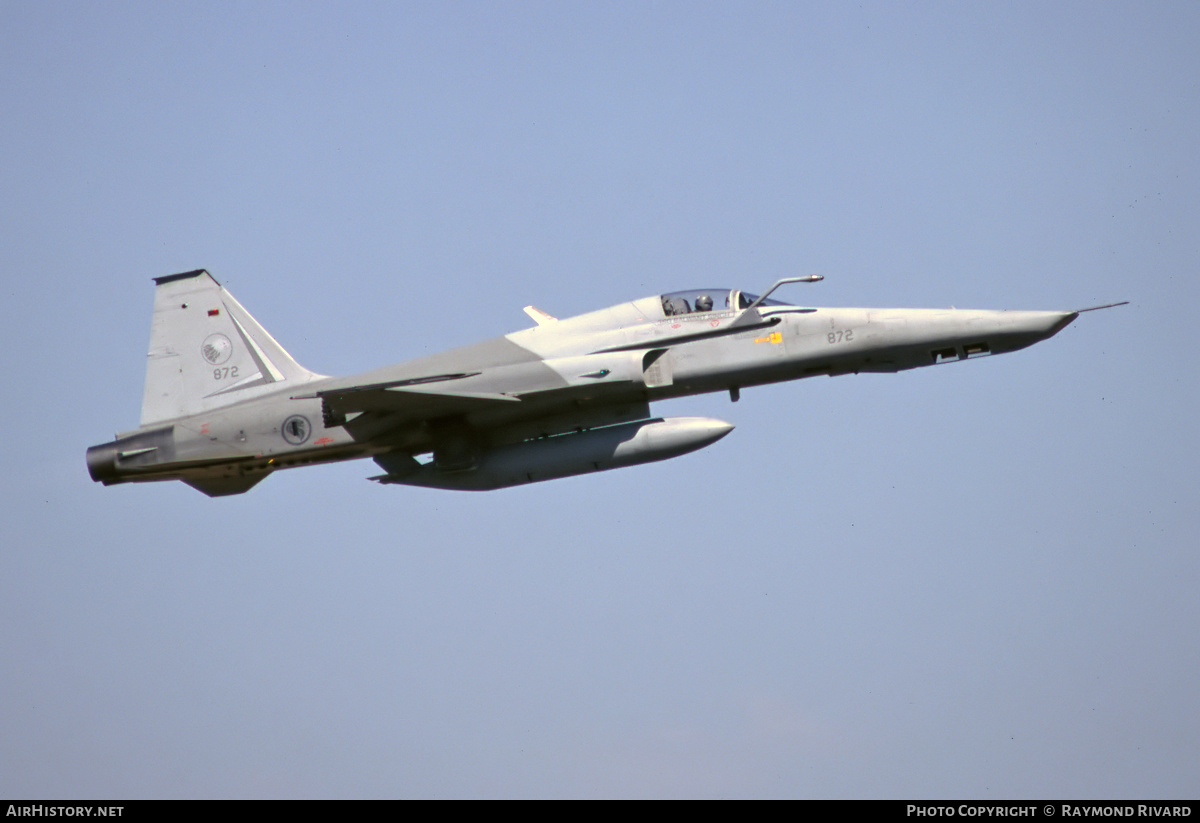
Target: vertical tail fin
[{"x": 206, "y": 351}]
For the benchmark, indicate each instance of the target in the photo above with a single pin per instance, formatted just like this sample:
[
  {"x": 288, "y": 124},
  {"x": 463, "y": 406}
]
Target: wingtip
[{"x": 540, "y": 316}]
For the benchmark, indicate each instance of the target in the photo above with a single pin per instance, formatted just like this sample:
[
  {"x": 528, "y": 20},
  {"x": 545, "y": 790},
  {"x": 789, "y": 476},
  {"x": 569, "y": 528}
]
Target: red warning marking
[
  {"x": 213, "y": 312},
  {"x": 324, "y": 441}
]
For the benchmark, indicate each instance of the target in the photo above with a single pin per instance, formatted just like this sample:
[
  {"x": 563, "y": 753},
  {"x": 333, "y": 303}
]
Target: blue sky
[{"x": 969, "y": 581}]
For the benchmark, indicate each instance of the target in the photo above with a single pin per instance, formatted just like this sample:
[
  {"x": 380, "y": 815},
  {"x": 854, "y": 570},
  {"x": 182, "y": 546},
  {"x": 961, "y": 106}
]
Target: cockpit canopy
[{"x": 699, "y": 301}]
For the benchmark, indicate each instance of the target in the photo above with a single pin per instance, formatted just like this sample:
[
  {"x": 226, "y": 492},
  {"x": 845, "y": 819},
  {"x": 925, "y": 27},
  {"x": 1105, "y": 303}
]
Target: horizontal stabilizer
[{"x": 224, "y": 486}]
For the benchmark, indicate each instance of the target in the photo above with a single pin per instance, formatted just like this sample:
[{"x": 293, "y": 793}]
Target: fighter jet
[{"x": 225, "y": 405}]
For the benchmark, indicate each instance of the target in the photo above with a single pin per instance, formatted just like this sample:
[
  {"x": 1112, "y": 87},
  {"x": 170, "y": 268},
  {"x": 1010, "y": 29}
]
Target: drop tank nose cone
[
  {"x": 704, "y": 430},
  {"x": 679, "y": 435}
]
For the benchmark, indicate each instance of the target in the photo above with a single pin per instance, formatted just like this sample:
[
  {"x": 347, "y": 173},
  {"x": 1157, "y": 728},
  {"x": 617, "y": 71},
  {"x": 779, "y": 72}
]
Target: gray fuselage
[{"x": 561, "y": 377}]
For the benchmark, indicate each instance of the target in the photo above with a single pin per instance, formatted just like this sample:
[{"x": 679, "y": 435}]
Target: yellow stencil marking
[{"x": 773, "y": 337}]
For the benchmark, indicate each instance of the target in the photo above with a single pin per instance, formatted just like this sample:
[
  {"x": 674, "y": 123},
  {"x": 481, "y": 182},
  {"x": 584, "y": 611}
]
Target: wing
[
  {"x": 502, "y": 395},
  {"x": 407, "y": 401}
]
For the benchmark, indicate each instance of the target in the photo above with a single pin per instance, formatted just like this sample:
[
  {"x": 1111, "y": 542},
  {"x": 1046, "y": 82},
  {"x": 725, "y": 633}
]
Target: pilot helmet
[{"x": 704, "y": 303}]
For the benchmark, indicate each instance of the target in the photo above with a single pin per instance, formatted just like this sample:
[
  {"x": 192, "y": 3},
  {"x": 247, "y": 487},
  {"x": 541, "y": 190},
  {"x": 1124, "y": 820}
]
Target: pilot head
[{"x": 704, "y": 303}]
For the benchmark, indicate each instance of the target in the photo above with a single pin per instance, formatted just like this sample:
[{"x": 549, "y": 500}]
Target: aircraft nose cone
[
  {"x": 1020, "y": 329},
  {"x": 1061, "y": 319},
  {"x": 1041, "y": 324}
]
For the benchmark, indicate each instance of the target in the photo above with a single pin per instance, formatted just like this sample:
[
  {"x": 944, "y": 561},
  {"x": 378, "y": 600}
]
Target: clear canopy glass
[{"x": 698, "y": 301}]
